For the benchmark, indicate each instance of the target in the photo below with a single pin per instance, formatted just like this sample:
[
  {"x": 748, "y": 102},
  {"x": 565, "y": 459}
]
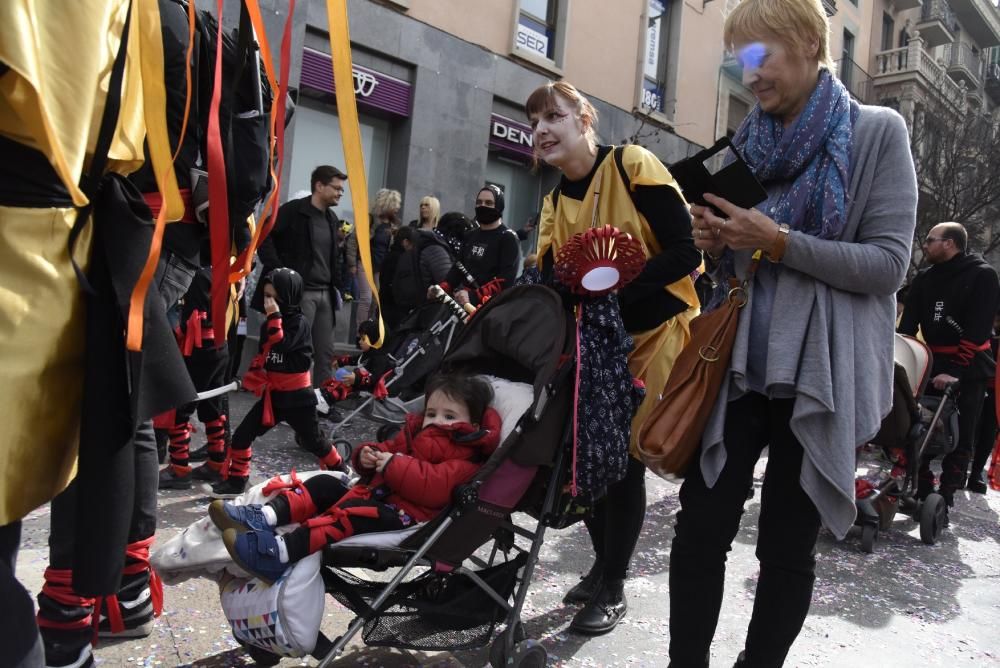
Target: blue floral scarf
[{"x": 814, "y": 154}]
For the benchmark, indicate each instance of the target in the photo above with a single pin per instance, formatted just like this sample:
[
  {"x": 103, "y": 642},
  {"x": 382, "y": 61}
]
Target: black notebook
[{"x": 719, "y": 170}]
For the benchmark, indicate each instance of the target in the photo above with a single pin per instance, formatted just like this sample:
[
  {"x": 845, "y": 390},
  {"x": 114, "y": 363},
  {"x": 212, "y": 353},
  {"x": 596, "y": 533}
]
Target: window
[
  {"x": 536, "y": 28},
  {"x": 738, "y": 109},
  {"x": 847, "y": 64},
  {"x": 654, "y": 57},
  {"x": 888, "y": 29}
]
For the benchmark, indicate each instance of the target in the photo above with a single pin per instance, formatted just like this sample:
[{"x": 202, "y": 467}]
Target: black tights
[{"x": 617, "y": 520}]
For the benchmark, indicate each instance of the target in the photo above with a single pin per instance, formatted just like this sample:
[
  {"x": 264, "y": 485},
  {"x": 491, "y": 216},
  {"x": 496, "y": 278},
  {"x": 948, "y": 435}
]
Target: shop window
[
  {"x": 538, "y": 34},
  {"x": 655, "y": 57}
]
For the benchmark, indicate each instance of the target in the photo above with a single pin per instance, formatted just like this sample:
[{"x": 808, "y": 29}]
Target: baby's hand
[
  {"x": 368, "y": 458},
  {"x": 382, "y": 459}
]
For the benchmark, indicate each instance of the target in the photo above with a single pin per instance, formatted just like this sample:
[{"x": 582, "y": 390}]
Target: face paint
[{"x": 752, "y": 55}]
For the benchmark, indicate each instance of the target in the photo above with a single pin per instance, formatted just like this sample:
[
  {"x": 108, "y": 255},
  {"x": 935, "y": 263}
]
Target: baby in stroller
[{"x": 405, "y": 481}]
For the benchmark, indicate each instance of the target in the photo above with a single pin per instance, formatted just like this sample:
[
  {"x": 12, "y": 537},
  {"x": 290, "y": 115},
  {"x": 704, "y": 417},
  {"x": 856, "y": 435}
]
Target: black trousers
[
  {"x": 18, "y": 633},
  {"x": 709, "y": 520},
  {"x": 955, "y": 465},
  {"x": 987, "y": 432},
  {"x": 617, "y": 519},
  {"x": 302, "y": 419}
]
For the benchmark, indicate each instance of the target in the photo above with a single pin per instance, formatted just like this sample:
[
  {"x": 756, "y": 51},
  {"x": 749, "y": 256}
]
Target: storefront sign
[
  {"x": 510, "y": 137},
  {"x": 529, "y": 39},
  {"x": 652, "y": 60},
  {"x": 374, "y": 90}
]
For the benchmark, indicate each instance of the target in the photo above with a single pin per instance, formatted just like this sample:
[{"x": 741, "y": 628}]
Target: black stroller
[
  {"x": 410, "y": 353},
  {"x": 463, "y": 574},
  {"x": 919, "y": 426}
]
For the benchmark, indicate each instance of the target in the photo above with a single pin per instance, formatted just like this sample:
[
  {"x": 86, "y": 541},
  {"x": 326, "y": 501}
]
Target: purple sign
[
  {"x": 510, "y": 137},
  {"x": 372, "y": 89}
]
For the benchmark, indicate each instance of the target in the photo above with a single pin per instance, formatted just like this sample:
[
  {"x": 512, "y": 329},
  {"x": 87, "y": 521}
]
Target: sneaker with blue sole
[
  {"x": 228, "y": 515},
  {"x": 256, "y": 552}
]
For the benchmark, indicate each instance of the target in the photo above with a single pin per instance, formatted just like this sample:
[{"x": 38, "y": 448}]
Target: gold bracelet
[{"x": 777, "y": 250}]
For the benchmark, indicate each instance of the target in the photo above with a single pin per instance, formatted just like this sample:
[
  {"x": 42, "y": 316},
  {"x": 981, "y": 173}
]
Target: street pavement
[{"x": 908, "y": 604}]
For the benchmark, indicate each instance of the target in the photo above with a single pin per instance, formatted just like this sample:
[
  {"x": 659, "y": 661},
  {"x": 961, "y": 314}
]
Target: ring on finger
[{"x": 717, "y": 233}]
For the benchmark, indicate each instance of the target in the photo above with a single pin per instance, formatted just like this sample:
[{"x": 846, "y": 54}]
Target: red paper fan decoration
[{"x": 599, "y": 261}]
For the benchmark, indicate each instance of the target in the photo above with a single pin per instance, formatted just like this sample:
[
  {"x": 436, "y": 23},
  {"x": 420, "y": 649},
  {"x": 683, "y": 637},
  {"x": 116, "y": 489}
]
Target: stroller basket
[{"x": 433, "y": 611}]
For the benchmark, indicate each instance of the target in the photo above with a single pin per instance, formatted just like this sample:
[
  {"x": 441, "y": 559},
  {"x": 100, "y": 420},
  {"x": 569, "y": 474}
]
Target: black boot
[
  {"x": 977, "y": 482},
  {"x": 585, "y": 589},
  {"x": 603, "y": 611}
]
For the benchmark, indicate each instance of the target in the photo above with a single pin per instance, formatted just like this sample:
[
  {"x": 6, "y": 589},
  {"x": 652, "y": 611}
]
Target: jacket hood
[
  {"x": 484, "y": 437},
  {"x": 288, "y": 286}
]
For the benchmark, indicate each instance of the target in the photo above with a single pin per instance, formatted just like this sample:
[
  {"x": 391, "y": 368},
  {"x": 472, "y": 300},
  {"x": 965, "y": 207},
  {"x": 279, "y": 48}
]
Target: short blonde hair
[
  {"x": 543, "y": 98},
  {"x": 435, "y": 208},
  {"x": 794, "y": 23},
  {"x": 387, "y": 202}
]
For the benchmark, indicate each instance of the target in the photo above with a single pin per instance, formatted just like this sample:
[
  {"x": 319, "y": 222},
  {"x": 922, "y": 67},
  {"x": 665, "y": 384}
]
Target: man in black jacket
[
  {"x": 304, "y": 238},
  {"x": 953, "y": 303}
]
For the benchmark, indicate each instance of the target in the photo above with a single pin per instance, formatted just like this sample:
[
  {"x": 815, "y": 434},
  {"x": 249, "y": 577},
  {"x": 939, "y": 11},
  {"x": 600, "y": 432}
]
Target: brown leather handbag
[{"x": 671, "y": 435}]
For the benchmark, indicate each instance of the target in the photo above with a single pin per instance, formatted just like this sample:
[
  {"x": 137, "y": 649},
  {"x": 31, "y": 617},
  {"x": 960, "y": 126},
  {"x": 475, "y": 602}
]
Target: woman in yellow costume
[{"x": 638, "y": 196}]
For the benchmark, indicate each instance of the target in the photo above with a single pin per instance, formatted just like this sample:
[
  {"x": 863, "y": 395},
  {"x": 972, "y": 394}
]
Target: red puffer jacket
[{"x": 428, "y": 464}]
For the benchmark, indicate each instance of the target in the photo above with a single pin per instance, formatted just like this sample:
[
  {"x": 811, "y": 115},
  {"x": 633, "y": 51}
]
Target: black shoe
[
  {"x": 588, "y": 585},
  {"x": 199, "y": 455},
  {"x": 229, "y": 488},
  {"x": 602, "y": 612},
  {"x": 57, "y": 656},
  {"x": 741, "y": 660},
  {"x": 206, "y": 473},
  {"x": 135, "y": 607},
  {"x": 169, "y": 479},
  {"x": 977, "y": 483}
]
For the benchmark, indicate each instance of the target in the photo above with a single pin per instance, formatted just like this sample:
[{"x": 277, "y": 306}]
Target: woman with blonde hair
[
  {"x": 811, "y": 370},
  {"x": 651, "y": 315},
  {"x": 430, "y": 211},
  {"x": 384, "y": 223}
]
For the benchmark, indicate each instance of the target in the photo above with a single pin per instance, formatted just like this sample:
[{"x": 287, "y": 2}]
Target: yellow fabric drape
[
  {"x": 52, "y": 99},
  {"x": 655, "y": 350},
  {"x": 350, "y": 132}
]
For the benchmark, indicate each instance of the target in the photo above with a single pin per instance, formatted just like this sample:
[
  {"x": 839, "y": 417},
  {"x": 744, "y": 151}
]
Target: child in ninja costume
[
  {"x": 279, "y": 375},
  {"x": 406, "y": 480}
]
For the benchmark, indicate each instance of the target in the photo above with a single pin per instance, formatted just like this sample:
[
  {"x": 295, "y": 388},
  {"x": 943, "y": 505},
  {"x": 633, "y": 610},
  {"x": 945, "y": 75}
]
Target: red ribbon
[
  {"x": 195, "y": 335},
  {"x": 154, "y": 201},
  {"x": 261, "y": 382},
  {"x": 218, "y": 191},
  {"x": 381, "y": 391}
]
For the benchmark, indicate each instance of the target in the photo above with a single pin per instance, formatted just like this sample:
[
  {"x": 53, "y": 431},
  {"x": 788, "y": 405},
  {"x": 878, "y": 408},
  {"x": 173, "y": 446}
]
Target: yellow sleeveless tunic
[{"x": 655, "y": 350}]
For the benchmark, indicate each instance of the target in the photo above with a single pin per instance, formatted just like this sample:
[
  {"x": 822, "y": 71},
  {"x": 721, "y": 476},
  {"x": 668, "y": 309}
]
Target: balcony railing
[
  {"x": 938, "y": 24},
  {"x": 992, "y": 81},
  {"x": 963, "y": 64},
  {"x": 855, "y": 79},
  {"x": 907, "y": 61}
]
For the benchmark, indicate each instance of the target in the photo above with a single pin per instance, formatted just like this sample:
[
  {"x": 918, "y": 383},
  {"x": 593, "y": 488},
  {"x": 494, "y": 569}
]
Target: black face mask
[{"x": 487, "y": 214}]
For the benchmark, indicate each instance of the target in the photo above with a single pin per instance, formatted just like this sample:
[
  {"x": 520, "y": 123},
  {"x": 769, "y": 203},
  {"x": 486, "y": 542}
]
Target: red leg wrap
[
  {"x": 300, "y": 502},
  {"x": 239, "y": 462},
  {"x": 331, "y": 460},
  {"x": 335, "y": 525},
  {"x": 180, "y": 444},
  {"x": 215, "y": 435}
]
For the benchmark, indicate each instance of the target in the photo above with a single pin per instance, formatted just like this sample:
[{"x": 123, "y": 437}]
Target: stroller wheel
[
  {"x": 344, "y": 447},
  {"x": 869, "y": 533},
  {"x": 498, "y": 651},
  {"x": 529, "y": 654},
  {"x": 933, "y": 517}
]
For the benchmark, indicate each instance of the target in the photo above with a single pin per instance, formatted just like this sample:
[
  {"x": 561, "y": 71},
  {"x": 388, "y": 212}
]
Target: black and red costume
[
  {"x": 208, "y": 366},
  {"x": 414, "y": 486},
  {"x": 953, "y": 304},
  {"x": 279, "y": 375}
]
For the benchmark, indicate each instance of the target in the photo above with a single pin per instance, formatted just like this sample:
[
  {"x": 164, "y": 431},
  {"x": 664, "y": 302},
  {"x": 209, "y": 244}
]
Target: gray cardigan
[{"x": 831, "y": 333}]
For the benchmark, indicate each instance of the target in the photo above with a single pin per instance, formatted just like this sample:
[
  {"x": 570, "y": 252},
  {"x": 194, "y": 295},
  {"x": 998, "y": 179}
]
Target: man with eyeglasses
[
  {"x": 304, "y": 238},
  {"x": 952, "y": 303}
]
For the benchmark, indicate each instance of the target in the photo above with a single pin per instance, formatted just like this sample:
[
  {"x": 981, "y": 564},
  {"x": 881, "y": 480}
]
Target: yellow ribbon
[{"x": 350, "y": 131}]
